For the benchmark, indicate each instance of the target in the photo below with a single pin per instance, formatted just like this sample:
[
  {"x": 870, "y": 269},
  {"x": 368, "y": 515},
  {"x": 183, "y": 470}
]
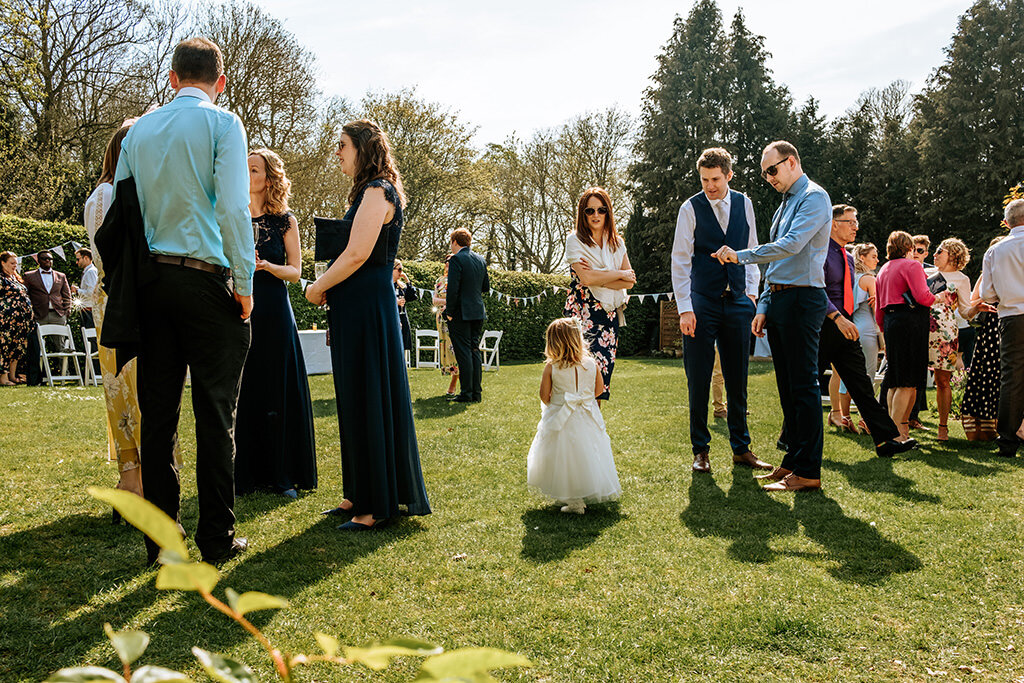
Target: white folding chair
[
  {"x": 66, "y": 346},
  {"x": 90, "y": 346},
  {"x": 491, "y": 357},
  {"x": 432, "y": 345}
]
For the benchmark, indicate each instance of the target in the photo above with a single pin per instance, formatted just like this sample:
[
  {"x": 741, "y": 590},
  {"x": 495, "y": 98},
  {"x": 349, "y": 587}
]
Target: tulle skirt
[{"x": 571, "y": 456}]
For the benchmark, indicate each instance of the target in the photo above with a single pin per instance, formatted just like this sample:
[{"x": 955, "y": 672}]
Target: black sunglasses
[
  {"x": 921, "y": 250},
  {"x": 773, "y": 170},
  {"x": 590, "y": 210},
  {"x": 45, "y": 258}
]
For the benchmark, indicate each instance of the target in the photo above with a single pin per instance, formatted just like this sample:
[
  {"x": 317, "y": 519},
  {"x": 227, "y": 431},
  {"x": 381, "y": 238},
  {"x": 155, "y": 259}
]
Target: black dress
[
  {"x": 408, "y": 292},
  {"x": 274, "y": 445},
  {"x": 380, "y": 460}
]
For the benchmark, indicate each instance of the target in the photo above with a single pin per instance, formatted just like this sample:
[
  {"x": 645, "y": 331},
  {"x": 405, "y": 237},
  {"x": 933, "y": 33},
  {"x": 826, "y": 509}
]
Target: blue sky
[{"x": 516, "y": 67}]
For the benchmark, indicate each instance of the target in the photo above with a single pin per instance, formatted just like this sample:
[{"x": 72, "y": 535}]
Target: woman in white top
[
  {"x": 601, "y": 275},
  {"x": 124, "y": 421}
]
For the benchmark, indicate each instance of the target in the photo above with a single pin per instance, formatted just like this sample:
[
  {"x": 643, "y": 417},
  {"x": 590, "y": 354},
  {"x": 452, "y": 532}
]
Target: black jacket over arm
[
  {"x": 121, "y": 242},
  {"x": 467, "y": 283}
]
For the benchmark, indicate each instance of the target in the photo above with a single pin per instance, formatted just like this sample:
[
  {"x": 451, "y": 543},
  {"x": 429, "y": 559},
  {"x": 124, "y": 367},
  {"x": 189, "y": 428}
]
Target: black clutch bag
[
  {"x": 332, "y": 236},
  {"x": 936, "y": 285}
]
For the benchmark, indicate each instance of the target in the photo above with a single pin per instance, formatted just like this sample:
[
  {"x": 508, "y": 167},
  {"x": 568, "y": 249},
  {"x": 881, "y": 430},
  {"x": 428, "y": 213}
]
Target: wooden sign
[{"x": 669, "y": 336}]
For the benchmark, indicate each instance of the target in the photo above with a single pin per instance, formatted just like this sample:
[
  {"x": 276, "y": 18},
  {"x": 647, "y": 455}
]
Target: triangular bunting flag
[
  {"x": 59, "y": 251},
  {"x": 75, "y": 245}
]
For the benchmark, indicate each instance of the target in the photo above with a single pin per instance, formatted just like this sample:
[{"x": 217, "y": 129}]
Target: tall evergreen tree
[
  {"x": 756, "y": 112},
  {"x": 809, "y": 130},
  {"x": 970, "y": 121},
  {"x": 681, "y": 114}
]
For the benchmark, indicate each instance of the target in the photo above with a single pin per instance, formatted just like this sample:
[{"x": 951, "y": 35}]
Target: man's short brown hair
[
  {"x": 197, "y": 60},
  {"x": 839, "y": 209},
  {"x": 898, "y": 245},
  {"x": 922, "y": 239},
  {"x": 462, "y": 237},
  {"x": 715, "y": 157},
  {"x": 785, "y": 149},
  {"x": 84, "y": 251}
]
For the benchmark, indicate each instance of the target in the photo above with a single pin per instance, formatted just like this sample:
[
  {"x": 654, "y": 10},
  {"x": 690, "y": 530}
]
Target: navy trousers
[
  {"x": 794, "y": 320},
  {"x": 725, "y": 320}
]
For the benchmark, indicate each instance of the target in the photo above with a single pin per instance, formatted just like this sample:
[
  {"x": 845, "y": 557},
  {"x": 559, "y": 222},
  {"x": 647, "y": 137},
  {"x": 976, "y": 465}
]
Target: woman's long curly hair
[
  {"x": 278, "y": 189},
  {"x": 374, "y": 159}
]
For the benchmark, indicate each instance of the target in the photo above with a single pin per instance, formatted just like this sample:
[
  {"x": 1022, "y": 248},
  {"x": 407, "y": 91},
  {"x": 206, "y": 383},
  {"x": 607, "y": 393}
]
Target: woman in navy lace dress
[
  {"x": 274, "y": 446},
  {"x": 380, "y": 459}
]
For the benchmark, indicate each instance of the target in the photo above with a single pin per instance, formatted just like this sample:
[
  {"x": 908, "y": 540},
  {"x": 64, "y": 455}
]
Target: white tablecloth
[{"x": 315, "y": 351}]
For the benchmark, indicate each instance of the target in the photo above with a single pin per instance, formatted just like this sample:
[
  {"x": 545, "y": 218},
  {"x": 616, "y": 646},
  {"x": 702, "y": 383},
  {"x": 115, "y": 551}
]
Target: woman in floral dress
[
  {"x": 446, "y": 354},
  {"x": 601, "y": 275},
  {"x": 943, "y": 345},
  {"x": 16, "y": 319}
]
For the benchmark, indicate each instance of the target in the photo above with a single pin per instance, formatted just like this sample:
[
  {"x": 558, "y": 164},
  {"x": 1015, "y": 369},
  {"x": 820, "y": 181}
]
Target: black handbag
[
  {"x": 332, "y": 236},
  {"x": 936, "y": 285}
]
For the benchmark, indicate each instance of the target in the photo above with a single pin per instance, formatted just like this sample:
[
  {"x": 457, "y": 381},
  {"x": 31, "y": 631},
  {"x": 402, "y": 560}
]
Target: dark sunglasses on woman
[{"x": 590, "y": 211}]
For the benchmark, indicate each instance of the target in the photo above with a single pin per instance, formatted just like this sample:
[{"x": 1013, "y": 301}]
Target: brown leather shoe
[
  {"x": 751, "y": 460},
  {"x": 721, "y": 413},
  {"x": 792, "y": 482},
  {"x": 701, "y": 463},
  {"x": 775, "y": 475}
]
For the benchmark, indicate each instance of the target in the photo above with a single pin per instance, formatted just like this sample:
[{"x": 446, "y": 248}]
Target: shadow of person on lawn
[
  {"x": 876, "y": 475},
  {"x": 745, "y": 515},
  {"x": 751, "y": 518},
  {"x": 550, "y": 534},
  {"x": 54, "y": 604}
]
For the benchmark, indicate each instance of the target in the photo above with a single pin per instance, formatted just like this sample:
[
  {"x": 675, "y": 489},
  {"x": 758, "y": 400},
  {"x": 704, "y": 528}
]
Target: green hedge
[{"x": 523, "y": 325}]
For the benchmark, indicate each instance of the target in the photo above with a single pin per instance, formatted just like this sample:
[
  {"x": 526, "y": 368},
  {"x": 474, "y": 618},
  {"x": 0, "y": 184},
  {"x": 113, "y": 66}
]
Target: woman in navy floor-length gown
[
  {"x": 274, "y": 444},
  {"x": 380, "y": 459}
]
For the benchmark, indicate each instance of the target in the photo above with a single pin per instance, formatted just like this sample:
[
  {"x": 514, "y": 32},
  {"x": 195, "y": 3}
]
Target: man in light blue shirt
[
  {"x": 792, "y": 307},
  {"x": 189, "y": 162}
]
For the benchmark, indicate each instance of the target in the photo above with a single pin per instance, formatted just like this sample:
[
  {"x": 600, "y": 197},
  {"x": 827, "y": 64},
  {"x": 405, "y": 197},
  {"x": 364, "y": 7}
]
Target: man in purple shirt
[{"x": 839, "y": 345}]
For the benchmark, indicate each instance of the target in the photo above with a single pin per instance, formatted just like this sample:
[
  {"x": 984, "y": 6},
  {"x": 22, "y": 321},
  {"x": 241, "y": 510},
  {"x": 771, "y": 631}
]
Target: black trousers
[
  {"x": 191, "y": 321},
  {"x": 727, "y": 321},
  {"x": 465, "y": 336},
  {"x": 847, "y": 357},
  {"x": 1011, "y": 383},
  {"x": 794, "y": 320}
]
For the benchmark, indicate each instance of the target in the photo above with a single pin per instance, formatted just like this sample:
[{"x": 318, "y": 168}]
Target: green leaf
[
  {"x": 187, "y": 577},
  {"x": 253, "y": 601},
  {"x": 146, "y": 517},
  {"x": 129, "y": 645},
  {"x": 85, "y": 674},
  {"x": 223, "y": 669},
  {"x": 329, "y": 644},
  {"x": 469, "y": 663},
  {"x": 158, "y": 674},
  {"x": 378, "y": 656}
]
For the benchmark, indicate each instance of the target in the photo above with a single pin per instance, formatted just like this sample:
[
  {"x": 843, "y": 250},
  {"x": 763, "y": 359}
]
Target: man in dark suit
[
  {"x": 467, "y": 282},
  {"x": 50, "y": 294}
]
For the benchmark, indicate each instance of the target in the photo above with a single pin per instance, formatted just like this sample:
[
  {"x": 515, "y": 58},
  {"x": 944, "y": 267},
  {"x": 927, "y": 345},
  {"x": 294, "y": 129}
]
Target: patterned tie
[
  {"x": 723, "y": 220},
  {"x": 847, "y": 286}
]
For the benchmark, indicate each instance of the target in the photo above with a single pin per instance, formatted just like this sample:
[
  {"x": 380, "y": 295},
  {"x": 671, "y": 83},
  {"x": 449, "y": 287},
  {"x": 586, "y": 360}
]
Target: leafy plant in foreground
[{"x": 177, "y": 572}]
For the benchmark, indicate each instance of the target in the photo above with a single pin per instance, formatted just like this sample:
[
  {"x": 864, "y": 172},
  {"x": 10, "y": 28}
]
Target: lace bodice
[{"x": 269, "y": 231}]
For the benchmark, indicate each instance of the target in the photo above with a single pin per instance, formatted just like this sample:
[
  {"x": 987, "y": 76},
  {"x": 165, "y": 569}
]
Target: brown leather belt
[
  {"x": 779, "y": 288},
  {"x": 190, "y": 263}
]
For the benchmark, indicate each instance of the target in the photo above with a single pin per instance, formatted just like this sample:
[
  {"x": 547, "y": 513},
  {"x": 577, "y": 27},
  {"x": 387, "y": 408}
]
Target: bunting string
[{"x": 58, "y": 250}]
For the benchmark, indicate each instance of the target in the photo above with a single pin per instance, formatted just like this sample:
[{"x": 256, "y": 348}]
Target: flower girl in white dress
[{"x": 571, "y": 459}]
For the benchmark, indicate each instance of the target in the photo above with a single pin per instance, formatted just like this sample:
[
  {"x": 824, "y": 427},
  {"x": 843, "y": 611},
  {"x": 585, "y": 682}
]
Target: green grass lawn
[{"x": 895, "y": 569}]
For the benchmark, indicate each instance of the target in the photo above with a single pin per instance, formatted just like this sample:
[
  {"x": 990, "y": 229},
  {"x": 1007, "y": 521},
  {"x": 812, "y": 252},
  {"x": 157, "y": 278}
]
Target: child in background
[{"x": 571, "y": 459}]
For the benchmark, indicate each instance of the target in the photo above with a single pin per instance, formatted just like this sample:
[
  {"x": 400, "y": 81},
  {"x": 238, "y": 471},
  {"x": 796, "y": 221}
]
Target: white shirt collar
[
  {"x": 1017, "y": 230},
  {"x": 190, "y": 91},
  {"x": 724, "y": 200}
]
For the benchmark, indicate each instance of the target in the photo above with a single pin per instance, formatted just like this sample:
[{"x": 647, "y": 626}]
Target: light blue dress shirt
[
  {"x": 189, "y": 161},
  {"x": 798, "y": 242}
]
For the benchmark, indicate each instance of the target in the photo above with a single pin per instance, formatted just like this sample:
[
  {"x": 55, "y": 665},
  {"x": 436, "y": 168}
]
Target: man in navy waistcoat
[{"x": 716, "y": 303}]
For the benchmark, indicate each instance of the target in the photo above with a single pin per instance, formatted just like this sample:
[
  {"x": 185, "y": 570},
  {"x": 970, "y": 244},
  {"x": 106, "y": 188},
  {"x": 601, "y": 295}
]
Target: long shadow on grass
[
  {"x": 325, "y": 407},
  {"x": 551, "y": 535},
  {"x": 876, "y": 475},
  {"x": 751, "y": 518},
  {"x": 745, "y": 515},
  {"x": 950, "y": 458},
  {"x": 430, "y": 407},
  {"x": 59, "y": 568}
]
